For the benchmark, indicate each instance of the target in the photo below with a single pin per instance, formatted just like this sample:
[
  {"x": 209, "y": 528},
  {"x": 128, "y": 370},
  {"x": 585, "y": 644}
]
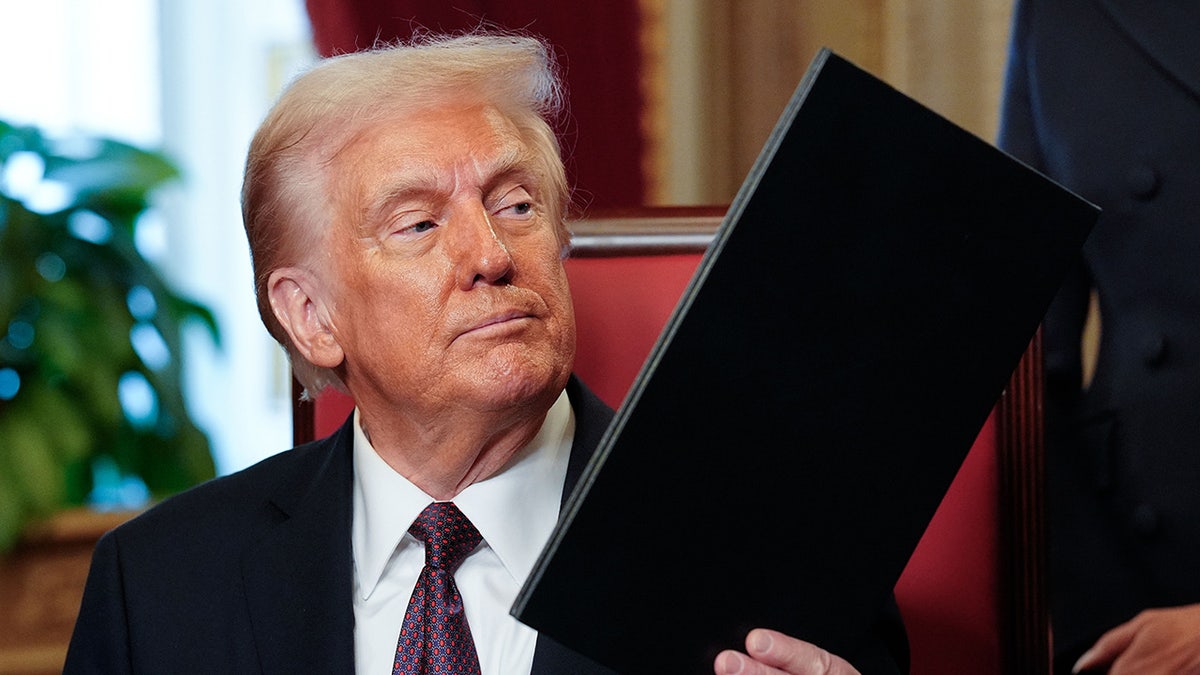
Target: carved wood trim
[
  {"x": 647, "y": 231},
  {"x": 1020, "y": 441},
  {"x": 41, "y": 586}
]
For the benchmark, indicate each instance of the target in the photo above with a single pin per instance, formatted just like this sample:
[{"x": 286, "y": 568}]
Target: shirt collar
[{"x": 515, "y": 509}]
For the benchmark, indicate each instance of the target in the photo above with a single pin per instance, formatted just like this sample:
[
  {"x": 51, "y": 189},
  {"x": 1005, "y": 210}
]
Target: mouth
[{"x": 497, "y": 324}]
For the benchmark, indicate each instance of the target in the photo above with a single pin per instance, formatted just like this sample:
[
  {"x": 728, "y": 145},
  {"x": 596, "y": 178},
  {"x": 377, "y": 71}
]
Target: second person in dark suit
[{"x": 1104, "y": 96}]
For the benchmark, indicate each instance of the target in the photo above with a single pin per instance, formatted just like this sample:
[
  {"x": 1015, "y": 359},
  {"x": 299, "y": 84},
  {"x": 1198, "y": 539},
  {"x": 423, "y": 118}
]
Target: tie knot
[{"x": 447, "y": 534}]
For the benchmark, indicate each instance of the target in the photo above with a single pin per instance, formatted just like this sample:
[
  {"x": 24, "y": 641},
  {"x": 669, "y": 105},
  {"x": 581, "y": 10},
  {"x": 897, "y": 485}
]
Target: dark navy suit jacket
[
  {"x": 252, "y": 572},
  {"x": 1104, "y": 96}
]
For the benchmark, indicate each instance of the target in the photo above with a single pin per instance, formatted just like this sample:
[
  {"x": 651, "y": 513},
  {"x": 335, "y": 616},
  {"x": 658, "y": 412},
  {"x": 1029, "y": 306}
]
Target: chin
[{"x": 524, "y": 381}]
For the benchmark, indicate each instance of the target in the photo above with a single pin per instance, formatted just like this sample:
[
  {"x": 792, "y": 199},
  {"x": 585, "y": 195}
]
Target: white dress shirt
[{"x": 515, "y": 510}]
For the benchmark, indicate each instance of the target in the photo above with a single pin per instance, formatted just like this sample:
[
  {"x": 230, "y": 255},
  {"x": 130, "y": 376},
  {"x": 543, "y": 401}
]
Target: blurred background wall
[
  {"x": 194, "y": 78},
  {"x": 718, "y": 73}
]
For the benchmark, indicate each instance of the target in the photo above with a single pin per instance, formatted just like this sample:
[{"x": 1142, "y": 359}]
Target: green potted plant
[{"x": 90, "y": 357}]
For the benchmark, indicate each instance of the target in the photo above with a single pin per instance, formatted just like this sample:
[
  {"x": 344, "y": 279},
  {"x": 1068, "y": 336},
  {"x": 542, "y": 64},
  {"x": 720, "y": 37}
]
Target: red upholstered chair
[{"x": 972, "y": 595}]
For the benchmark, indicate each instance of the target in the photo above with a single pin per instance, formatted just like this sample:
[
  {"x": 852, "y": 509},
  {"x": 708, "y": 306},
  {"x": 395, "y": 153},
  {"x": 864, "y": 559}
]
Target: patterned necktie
[{"x": 435, "y": 638}]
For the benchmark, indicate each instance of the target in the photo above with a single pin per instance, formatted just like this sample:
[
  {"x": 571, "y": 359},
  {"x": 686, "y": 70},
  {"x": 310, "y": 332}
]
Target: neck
[{"x": 444, "y": 458}]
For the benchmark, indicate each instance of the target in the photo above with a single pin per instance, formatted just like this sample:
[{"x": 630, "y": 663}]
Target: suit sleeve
[
  {"x": 100, "y": 642},
  {"x": 1062, "y": 329},
  {"x": 1017, "y": 135}
]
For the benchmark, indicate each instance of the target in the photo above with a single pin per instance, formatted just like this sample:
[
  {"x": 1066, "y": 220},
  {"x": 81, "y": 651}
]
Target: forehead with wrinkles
[{"x": 429, "y": 152}]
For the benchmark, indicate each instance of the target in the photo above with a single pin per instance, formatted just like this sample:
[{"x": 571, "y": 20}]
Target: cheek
[
  {"x": 568, "y": 334},
  {"x": 379, "y": 302},
  {"x": 557, "y": 295}
]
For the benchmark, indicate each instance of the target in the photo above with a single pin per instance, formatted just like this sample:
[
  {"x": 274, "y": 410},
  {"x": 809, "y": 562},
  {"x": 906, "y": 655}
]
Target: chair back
[{"x": 972, "y": 595}]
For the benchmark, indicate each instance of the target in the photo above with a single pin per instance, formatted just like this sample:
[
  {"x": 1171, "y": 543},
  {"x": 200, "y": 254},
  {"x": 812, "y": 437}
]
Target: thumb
[{"x": 794, "y": 656}]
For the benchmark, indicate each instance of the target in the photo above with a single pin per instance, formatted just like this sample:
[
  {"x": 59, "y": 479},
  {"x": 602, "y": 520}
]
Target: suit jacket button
[
  {"x": 1143, "y": 182},
  {"x": 1145, "y": 520},
  {"x": 1154, "y": 350}
]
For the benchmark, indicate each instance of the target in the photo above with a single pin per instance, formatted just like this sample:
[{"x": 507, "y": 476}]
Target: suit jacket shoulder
[{"x": 248, "y": 572}]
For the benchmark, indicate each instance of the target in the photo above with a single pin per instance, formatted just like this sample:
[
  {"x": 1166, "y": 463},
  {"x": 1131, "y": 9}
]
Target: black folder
[{"x": 868, "y": 295}]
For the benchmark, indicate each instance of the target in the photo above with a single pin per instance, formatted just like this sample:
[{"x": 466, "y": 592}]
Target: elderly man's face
[{"x": 448, "y": 286}]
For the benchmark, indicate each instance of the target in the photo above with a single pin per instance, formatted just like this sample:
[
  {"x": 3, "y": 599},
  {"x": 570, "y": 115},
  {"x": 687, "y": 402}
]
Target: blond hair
[{"x": 287, "y": 203}]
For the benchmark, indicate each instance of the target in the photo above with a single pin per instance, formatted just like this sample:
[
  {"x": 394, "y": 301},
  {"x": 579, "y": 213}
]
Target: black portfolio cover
[{"x": 866, "y": 299}]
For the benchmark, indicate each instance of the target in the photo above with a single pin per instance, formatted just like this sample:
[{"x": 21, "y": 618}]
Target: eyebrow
[{"x": 422, "y": 183}]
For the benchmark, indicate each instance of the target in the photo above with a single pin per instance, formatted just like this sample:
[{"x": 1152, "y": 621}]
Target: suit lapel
[
  {"x": 1165, "y": 32},
  {"x": 299, "y": 578},
  {"x": 592, "y": 417}
]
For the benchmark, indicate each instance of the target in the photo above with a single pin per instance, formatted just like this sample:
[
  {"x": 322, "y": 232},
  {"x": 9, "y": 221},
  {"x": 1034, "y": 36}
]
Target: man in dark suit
[
  {"x": 1104, "y": 96},
  {"x": 404, "y": 209}
]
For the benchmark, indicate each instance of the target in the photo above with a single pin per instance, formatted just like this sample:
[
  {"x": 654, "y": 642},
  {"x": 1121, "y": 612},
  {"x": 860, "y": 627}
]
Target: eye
[
  {"x": 520, "y": 208},
  {"x": 412, "y": 224},
  {"x": 516, "y": 203}
]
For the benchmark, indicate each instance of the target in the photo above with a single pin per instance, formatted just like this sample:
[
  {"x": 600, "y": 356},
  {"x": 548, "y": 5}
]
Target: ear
[{"x": 299, "y": 305}]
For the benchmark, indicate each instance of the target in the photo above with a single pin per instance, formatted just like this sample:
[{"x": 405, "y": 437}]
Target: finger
[
  {"x": 1108, "y": 647},
  {"x": 730, "y": 662},
  {"x": 794, "y": 656}
]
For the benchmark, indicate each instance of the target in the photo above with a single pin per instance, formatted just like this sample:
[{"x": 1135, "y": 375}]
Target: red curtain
[{"x": 595, "y": 41}]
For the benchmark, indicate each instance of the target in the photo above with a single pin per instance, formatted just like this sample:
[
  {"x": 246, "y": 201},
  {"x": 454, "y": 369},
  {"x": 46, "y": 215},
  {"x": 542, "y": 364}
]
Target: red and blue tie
[{"x": 435, "y": 638}]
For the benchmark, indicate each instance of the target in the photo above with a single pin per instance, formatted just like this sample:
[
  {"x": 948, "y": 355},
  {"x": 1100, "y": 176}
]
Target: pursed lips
[{"x": 496, "y": 323}]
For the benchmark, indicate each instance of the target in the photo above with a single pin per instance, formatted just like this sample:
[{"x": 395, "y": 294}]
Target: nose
[{"x": 480, "y": 254}]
